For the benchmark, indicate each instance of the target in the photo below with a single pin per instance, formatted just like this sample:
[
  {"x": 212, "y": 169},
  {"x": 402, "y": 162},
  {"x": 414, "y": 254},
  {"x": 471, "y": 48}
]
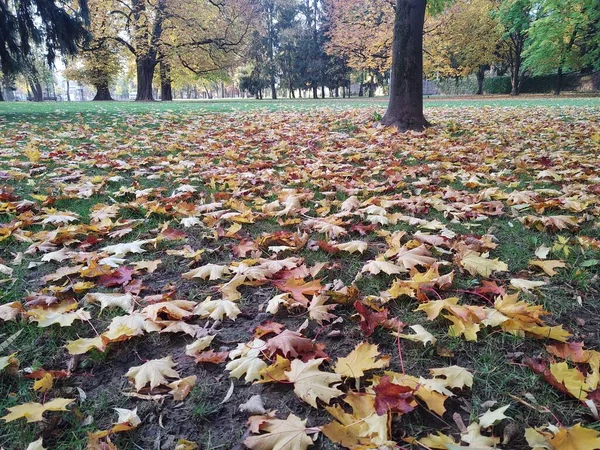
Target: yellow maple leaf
[
  {"x": 288, "y": 434},
  {"x": 476, "y": 264},
  {"x": 362, "y": 358},
  {"x": 152, "y": 372},
  {"x": 33, "y": 411},
  {"x": 311, "y": 384},
  {"x": 549, "y": 265},
  {"x": 45, "y": 383},
  {"x": 575, "y": 438}
]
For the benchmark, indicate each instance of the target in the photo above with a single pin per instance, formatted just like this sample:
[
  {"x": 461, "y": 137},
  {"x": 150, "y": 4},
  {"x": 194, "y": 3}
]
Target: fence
[{"x": 571, "y": 82}]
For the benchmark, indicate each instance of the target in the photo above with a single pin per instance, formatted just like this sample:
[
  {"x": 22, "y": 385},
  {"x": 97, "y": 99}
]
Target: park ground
[{"x": 514, "y": 183}]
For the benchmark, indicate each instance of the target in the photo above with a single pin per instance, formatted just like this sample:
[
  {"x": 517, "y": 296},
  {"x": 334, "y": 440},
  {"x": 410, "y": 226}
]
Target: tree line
[{"x": 272, "y": 48}]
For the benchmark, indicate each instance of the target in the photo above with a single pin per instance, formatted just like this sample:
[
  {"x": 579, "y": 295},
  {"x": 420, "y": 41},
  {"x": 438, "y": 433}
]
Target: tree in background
[
  {"x": 193, "y": 32},
  {"x": 361, "y": 33},
  {"x": 29, "y": 24},
  {"x": 463, "y": 40},
  {"x": 559, "y": 37},
  {"x": 514, "y": 18},
  {"x": 99, "y": 67}
]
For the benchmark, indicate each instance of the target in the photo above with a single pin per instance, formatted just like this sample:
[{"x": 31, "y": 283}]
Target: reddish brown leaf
[
  {"x": 390, "y": 397},
  {"x": 268, "y": 327},
  {"x": 119, "y": 277}
]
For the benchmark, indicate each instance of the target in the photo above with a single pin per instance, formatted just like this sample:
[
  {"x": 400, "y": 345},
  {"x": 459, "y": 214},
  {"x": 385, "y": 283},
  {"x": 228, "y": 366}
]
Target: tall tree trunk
[
  {"x": 405, "y": 110},
  {"x": 315, "y": 92},
  {"x": 166, "y": 88},
  {"x": 1, "y": 96},
  {"x": 102, "y": 92},
  {"x": 480, "y": 79},
  {"x": 322, "y": 91},
  {"x": 558, "y": 86},
  {"x": 360, "y": 89},
  {"x": 515, "y": 78},
  {"x": 145, "y": 72},
  {"x": 68, "y": 90}
]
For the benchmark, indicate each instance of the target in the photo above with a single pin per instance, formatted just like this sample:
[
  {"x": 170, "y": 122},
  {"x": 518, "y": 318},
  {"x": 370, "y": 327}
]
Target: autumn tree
[
  {"x": 361, "y": 32},
  {"x": 463, "y": 40},
  {"x": 196, "y": 33},
  {"x": 559, "y": 37}
]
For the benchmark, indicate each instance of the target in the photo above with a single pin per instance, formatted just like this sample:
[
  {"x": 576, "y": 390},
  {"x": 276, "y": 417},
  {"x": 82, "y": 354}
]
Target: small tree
[{"x": 100, "y": 68}]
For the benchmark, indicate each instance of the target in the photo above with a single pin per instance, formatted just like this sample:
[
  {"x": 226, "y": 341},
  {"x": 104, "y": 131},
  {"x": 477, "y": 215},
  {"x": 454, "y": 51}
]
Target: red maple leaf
[
  {"x": 390, "y": 397},
  {"x": 119, "y": 277},
  {"x": 369, "y": 320}
]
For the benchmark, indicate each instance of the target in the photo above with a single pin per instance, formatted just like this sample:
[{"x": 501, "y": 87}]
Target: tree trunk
[
  {"x": 480, "y": 79},
  {"x": 371, "y": 86},
  {"x": 102, "y": 92},
  {"x": 68, "y": 91},
  {"x": 323, "y": 92},
  {"x": 558, "y": 86},
  {"x": 405, "y": 110},
  {"x": 515, "y": 79},
  {"x": 37, "y": 94},
  {"x": 145, "y": 72},
  {"x": 360, "y": 90},
  {"x": 1, "y": 96},
  {"x": 166, "y": 88}
]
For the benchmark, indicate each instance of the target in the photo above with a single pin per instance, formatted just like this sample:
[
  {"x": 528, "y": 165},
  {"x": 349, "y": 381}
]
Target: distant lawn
[{"x": 239, "y": 105}]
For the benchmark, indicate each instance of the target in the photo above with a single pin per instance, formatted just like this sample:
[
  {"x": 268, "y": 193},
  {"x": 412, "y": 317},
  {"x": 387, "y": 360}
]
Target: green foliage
[
  {"x": 559, "y": 37},
  {"x": 541, "y": 84}
]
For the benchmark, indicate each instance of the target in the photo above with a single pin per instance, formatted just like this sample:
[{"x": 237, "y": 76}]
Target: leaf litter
[{"x": 186, "y": 250}]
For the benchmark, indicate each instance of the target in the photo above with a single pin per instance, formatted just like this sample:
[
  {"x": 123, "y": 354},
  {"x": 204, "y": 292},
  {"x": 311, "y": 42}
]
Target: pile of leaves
[{"x": 323, "y": 281}]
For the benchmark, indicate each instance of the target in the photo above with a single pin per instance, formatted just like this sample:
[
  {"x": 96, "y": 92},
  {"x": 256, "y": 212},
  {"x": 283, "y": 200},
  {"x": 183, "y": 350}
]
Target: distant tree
[
  {"x": 99, "y": 68},
  {"x": 514, "y": 18},
  {"x": 559, "y": 36},
  {"x": 30, "y": 24},
  {"x": 361, "y": 33},
  {"x": 463, "y": 40}
]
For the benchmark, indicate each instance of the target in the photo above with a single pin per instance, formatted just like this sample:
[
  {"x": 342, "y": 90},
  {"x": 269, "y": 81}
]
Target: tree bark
[
  {"x": 102, "y": 93},
  {"x": 166, "y": 88},
  {"x": 405, "y": 110},
  {"x": 480, "y": 79},
  {"x": 558, "y": 86},
  {"x": 1, "y": 96},
  {"x": 371, "y": 86},
  {"x": 315, "y": 92},
  {"x": 145, "y": 72},
  {"x": 515, "y": 78},
  {"x": 323, "y": 92}
]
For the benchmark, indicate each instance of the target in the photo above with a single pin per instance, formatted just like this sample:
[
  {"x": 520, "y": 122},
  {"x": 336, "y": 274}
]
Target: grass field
[{"x": 295, "y": 206}]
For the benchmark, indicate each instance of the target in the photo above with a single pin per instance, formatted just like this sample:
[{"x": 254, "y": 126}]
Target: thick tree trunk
[
  {"x": 558, "y": 86},
  {"x": 145, "y": 72},
  {"x": 102, "y": 93},
  {"x": 405, "y": 110},
  {"x": 480, "y": 79},
  {"x": 166, "y": 89}
]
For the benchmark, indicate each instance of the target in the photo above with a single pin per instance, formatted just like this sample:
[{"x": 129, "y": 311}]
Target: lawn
[{"x": 296, "y": 251}]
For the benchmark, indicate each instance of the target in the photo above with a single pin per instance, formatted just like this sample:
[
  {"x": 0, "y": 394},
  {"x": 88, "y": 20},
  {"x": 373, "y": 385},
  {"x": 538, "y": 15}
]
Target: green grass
[{"x": 16, "y": 110}]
